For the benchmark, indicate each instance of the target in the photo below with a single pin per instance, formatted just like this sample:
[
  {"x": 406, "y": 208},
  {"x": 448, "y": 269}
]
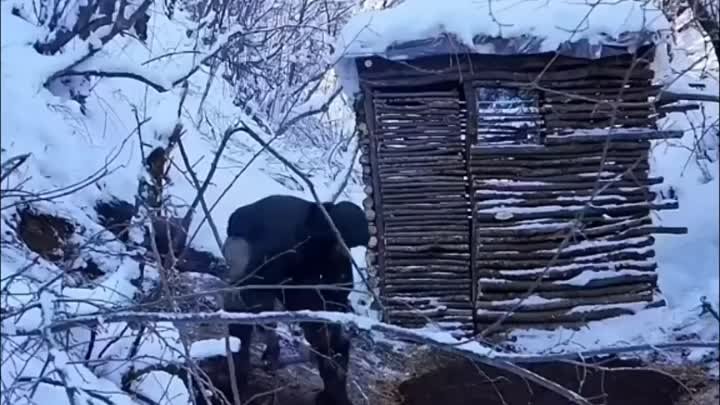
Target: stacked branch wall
[{"x": 559, "y": 209}]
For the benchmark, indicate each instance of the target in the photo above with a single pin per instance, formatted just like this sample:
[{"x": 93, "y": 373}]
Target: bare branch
[
  {"x": 160, "y": 88},
  {"x": 12, "y": 164},
  {"x": 669, "y": 97}
]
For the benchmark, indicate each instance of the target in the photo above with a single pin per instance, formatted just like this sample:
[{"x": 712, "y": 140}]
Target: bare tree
[{"x": 705, "y": 16}]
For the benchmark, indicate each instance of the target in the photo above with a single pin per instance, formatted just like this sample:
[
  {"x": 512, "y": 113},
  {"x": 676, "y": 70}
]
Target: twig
[
  {"x": 707, "y": 307},
  {"x": 669, "y": 97},
  {"x": 348, "y": 174},
  {"x": 231, "y": 369},
  {"x": 200, "y": 194},
  {"x": 356, "y": 321},
  {"x": 539, "y": 380},
  {"x": 472, "y": 350},
  {"x": 160, "y": 88},
  {"x": 12, "y": 164},
  {"x": 201, "y": 189}
]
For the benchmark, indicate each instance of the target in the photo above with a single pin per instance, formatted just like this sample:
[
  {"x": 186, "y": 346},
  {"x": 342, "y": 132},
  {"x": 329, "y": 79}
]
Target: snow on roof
[{"x": 414, "y": 27}]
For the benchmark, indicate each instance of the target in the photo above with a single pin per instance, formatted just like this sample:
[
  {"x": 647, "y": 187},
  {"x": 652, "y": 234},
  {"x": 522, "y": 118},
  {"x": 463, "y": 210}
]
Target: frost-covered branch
[
  {"x": 200, "y": 188},
  {"x": 157, "y": 86},
  {"x": 11, "y": 165},
  {"x": 438, "y": 340},
  {"x": 670, "y": 97},
  {"x": 352, "y": 321},
  {"x": 704, "y": 14},
  {"x": 141, "y": 74},
  {"x": 97, "y": 21},
  {"x": 19, "y": 197}
]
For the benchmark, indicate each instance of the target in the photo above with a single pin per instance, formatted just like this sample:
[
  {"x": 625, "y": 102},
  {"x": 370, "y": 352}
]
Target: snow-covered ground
[
  {"x": 101, "y": 147},
  {"x": 67, "y": 146}
]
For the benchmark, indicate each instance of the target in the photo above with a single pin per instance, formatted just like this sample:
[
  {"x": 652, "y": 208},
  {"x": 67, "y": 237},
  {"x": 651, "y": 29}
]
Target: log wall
[
  {"x": 511, "y": 187},
  {"x": 417, "y": 158}
]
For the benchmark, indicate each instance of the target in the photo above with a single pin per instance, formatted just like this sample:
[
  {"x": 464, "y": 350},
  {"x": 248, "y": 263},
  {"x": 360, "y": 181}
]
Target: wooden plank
[
  {"x": 567, "y": 303},
  {"x": 555, "y": 161},
  {"x": 590, "y": 248},
  {"x": 621, "y": 255},
  {"x": 600, "y": 123},
  {"x": 560, "y": 273},
  {"x": 573, "y": 211},
  {"x": 468, "y": 62},
  {"x": 637, "y": 288},
  {"x": 543, "y": 152},
  {"x": 589, "y": 72},
  {"x": 486, "y": 285},
  {"x": 584, "y": 184},
  {"x": 561, "y": 316},
  {"x": 540, "y": 234},
  {"x": 530, "y": 202},
  {"x": 618, "y": 135},
  {"x": 517, "y": 173}
]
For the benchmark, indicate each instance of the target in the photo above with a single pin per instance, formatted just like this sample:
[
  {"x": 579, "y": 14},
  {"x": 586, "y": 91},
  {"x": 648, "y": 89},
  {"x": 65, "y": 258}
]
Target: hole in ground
[{"x": 620, "y": 382}]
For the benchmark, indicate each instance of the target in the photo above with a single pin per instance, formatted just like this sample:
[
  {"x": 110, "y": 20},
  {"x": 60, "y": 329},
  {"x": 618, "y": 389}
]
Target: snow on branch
[
  {"x": 670, "y": 97},
  {"x": 159, "y": 86},
  {"x": 11, "y": 165},
  {"x": 312, "y": 107},
  {"x": 443, "y": 341},
  {"x": 438, "y": 339},
  {"x": 97, "y": 21},
  {"x": 110, "y": 69}
]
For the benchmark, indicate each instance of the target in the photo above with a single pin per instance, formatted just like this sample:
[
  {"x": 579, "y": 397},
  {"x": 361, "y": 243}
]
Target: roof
[{"x": 586, "y": 29}]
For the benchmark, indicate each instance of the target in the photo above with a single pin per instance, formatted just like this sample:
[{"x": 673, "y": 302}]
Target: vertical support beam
[
  {"x": 367, "y": 94},
  {"x": 471, "y": 138}
]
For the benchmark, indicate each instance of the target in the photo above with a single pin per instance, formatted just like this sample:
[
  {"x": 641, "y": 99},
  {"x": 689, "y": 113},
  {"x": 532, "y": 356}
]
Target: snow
[
  {"x": 551, "y": 22},
  {"x": 212, "y": 347},
  {"x": 587, "y": 276},
  {"x": 689, "y": 264},
  {"x": 530, "y": 300},
  {"x": 99, "y": 151},
  {"x": 371, "y": 33},
  {"x": 162, "y": 388}
]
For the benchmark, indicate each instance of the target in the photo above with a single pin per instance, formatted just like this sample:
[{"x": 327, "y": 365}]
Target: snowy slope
[{"x": 98, "y": 153}]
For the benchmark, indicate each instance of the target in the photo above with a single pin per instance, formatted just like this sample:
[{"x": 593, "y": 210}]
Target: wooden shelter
[{"x": 512, "y": 186}]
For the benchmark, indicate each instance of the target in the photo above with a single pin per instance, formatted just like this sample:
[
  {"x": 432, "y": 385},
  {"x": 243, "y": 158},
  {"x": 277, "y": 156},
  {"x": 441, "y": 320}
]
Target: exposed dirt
[
  {"x": 617, "y": 382},
  {"x": 44, "y": 234},
  {"x": 698, "y": 387},
  {"x": 372, "y": 377},
  {"x": 708, "y": 394},
  {"x": 382, "y": 375}
]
